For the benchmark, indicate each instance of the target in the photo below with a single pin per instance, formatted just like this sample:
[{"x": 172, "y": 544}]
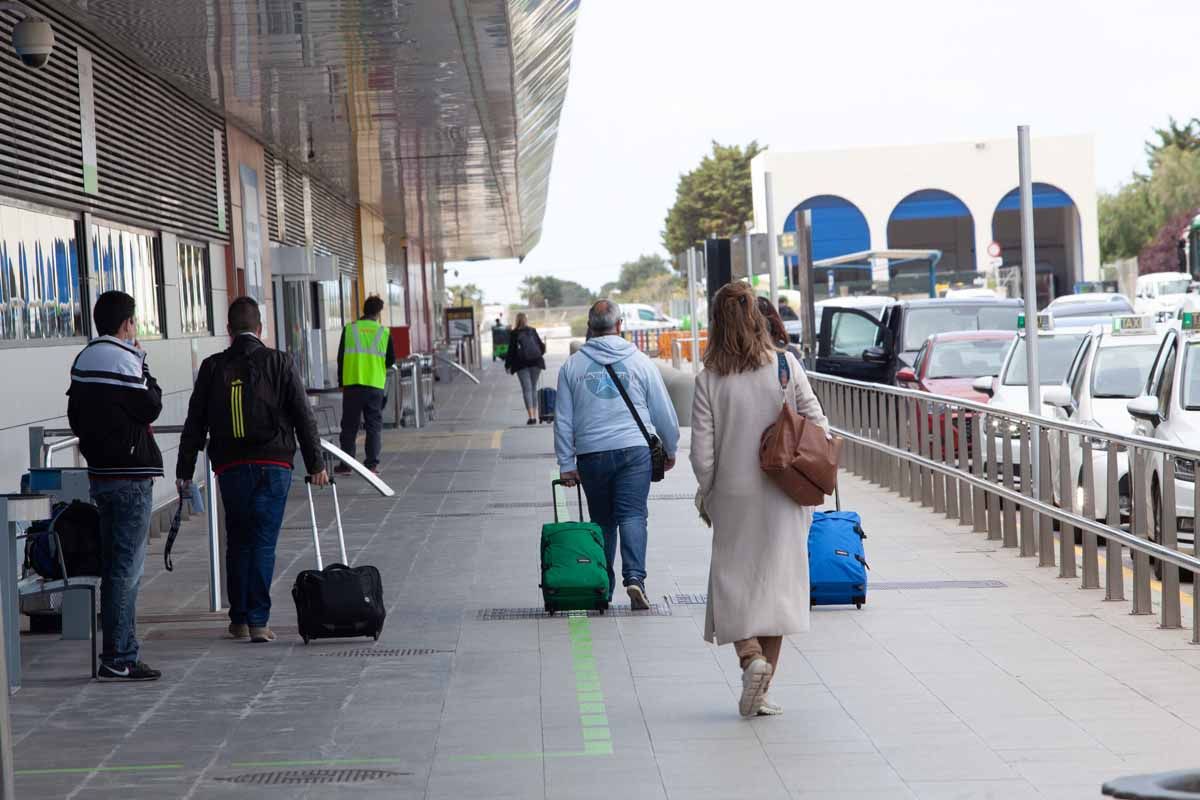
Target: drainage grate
[
  {"x": 290, "y": 777},
  {"x": 693, "y": 599},
  {"x": 937, "y": 585},
  {"x": 459, "y": 514},
  {"x": 499, "y": 614},
  {"x": 525, "y": 504},
  {"x": 458, "y": 491},
  {"x": 678, "y": 496},
  {"x": 387, "y": 652}
]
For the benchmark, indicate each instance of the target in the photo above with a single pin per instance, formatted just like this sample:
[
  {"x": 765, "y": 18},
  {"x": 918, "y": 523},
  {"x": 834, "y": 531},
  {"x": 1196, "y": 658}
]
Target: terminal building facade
[
  {"x": 960, "y": 198},
  {"x": 304, "y": 154}
]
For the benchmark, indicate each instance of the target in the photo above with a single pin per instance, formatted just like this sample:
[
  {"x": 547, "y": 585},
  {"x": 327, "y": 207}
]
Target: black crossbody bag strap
[{"x": 612, "y": 373}]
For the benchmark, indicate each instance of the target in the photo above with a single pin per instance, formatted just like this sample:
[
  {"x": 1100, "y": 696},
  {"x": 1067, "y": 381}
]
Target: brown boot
[
  {"x": 260, "y": 635},
  {"x": 237, "y": 631}
]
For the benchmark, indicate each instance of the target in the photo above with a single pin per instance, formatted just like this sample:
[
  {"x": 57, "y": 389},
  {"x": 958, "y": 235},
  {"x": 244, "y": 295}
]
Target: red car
[{"x": 948, "y": 364}]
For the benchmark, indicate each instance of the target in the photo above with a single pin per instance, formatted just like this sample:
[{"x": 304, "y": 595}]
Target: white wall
[{"x": 978, "y": 173}]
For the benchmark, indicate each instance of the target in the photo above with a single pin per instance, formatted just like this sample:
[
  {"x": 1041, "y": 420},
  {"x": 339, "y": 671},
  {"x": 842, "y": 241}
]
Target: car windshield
[
  {"x": 1175, "y": 287},
  {"x": 967, "y": 359},
  {"x": 1191, "y": 377},
  {"x": 1055, "y": 354},
  {"x": 924, "y": 322},
  {"x": 1122, "y": 371}
]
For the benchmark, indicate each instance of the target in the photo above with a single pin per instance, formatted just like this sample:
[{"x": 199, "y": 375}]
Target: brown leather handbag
[{"x": 795, "y": 452}]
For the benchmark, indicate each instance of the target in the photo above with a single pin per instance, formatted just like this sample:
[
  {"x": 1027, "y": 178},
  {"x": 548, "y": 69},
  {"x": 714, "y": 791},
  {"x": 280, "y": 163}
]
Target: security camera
[{"x": 33, "y": 39}]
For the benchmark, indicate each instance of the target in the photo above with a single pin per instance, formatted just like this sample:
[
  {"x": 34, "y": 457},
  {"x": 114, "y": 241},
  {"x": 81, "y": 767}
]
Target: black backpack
[
  {"x": 244, "y": 408},
  {"x": 529, "y": 347},
  {"x": 78, "y": 527}
]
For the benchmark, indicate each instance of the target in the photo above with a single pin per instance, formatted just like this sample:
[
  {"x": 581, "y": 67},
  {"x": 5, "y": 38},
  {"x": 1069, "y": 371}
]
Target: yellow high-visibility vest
[{"x": 364, "y": 354}]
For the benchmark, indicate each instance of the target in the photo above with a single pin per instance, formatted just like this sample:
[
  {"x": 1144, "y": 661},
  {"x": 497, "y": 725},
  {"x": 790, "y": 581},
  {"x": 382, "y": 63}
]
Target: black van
[{"x": 854, "y": 344}]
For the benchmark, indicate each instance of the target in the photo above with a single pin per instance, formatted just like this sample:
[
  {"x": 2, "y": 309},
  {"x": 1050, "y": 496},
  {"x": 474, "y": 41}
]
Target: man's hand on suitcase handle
[
  {"x": 569, "y": 478},
  {"x": 318, "y": 479}
]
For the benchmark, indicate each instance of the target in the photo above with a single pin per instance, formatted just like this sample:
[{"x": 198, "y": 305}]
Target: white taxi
[
  {"x": 1111, "y": 371},
  {"x": 1059, "y": 351},
  {"x": 1169, "y": 409}
]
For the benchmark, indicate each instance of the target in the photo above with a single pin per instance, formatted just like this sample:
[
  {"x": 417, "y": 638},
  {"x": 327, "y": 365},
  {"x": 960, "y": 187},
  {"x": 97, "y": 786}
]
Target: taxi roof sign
[
  {"x": 1045, "y": 322},
  {"x": 1190, "y": 321},
  {"x": 1132, "y": 323}
]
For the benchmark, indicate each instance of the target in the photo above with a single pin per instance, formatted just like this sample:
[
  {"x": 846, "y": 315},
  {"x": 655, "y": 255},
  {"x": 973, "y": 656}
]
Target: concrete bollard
[
  {"x": 681, "y": 386},
  {"x": 575, "y": 345}
]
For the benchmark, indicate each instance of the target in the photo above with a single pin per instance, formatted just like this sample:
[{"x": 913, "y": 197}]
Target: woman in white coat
[{"x": 758, "y": 579}]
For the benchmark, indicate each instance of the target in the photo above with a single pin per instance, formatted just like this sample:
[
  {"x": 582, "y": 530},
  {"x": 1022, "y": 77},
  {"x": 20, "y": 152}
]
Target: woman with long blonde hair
[
  {"x": 758, "y": 577},
  {"x": 525, "y": 360}
]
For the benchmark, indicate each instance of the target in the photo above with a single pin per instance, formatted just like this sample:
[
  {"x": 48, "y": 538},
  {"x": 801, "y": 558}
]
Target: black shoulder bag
[{"x": 658, "y": 456}]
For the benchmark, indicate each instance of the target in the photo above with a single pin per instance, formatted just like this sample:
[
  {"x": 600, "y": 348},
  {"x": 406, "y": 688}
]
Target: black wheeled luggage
[
  {"x": 546, "y": 399},
  {"x": 337, "y": 601}
]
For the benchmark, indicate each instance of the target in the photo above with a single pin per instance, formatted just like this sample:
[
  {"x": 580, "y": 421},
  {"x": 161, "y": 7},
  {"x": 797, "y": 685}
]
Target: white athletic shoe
[
  {"x": 768, "y": 709},
  {"x": 755, "y": 677}
]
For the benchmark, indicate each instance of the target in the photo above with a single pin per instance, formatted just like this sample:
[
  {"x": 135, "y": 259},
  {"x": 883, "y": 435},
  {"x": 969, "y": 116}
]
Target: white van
[
  {"x": 1162, "y": 293},
  {"x": 640, "y": 317}
]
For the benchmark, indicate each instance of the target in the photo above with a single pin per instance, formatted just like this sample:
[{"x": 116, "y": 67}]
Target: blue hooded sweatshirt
[{"x": 591, "y": 417}]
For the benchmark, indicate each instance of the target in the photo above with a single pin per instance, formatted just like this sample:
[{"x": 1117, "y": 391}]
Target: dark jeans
[
  {"x": 255, "y": 496},
  {"x": 617, "y": 485},
  {"x": 365, "y": 403},
  {"x": 124, "y": 531}
]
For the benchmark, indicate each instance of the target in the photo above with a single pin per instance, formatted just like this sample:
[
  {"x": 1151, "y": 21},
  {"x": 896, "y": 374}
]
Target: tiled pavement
[{"x": 1030, "y": 689}]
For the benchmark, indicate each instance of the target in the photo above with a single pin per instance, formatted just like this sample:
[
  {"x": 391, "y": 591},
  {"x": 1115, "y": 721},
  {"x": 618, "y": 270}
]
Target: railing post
[
  {"x": 995, "y": 528},
  {"x": 1045, "y": 524},
  {"x": 1066, "y": 489},
  {"x": 1028, "y": 538},
  {"x": 1170, "y": 610},
  {"x": 903, "y": 473},
  {"x": 1138, "y": 485},
  {"x": 1091, "y": 556},
  {"x": 965, "y": 516},
  {"x": 948, "y": 452},
  {"x": 1195, "y": 552},
  {"x": 1114, "y": 575},
  {"x": 978, "y": 447},
  {"x": 1008, "y": 478},
  {"x": 872, "y": 435},
  {"x": 927, "y": 498},
  {"x": 37, "y": 438},
  {"x": 935, "y": 454},
  {"x": 916, "y": 486}
]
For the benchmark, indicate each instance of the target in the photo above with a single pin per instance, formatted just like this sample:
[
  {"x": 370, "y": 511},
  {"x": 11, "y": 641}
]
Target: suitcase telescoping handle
[
  {"x": 337, "y": 512},
  {"x": 559, "y": 482}
]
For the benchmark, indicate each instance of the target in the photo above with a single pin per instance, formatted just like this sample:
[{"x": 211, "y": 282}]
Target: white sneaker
[
  {"x": 768, "y": 709},
  {"x": 755, "y": 677}
]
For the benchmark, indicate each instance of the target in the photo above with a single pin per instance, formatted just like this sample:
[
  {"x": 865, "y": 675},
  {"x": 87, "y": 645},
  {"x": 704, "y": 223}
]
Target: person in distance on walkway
[
  {"x": 364, "y": 357},
  {"x": 786, "y": 312},
  {"x": 598, "y": 442},
  {"x": 249, "y": 403},
  {"x": 113, "y": 400},
  {"x": 758, "y": 578},
  {"x": 779, "y": 334},
  {"x": 525, "y": 360}
]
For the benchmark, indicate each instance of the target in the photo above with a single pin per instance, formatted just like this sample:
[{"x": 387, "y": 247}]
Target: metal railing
[{"x": 973, "y": 462}]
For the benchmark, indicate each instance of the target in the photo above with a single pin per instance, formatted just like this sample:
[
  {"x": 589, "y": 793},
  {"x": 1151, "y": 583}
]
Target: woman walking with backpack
[
  {"x": 758, "y": 589},
  {"x": 525, "y": 359}
]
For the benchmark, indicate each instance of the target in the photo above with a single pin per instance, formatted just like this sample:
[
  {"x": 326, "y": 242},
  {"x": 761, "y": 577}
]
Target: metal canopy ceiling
[{"x": 439, "y": 114}]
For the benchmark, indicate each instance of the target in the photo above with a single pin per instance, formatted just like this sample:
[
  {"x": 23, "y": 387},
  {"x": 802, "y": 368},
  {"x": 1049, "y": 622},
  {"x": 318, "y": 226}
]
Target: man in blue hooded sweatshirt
[{"x": 598, "y": 443}]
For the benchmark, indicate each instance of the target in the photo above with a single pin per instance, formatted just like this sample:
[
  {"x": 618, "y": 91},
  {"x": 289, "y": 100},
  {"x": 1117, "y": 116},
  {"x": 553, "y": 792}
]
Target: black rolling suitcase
[
  {"x": 546, "y": 400},
  {"x": 337, "y": 601}
]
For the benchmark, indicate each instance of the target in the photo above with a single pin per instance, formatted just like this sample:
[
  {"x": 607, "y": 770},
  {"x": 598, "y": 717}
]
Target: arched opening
[
  {"x": 1058, "y": 245},
  {"x": 838, "y": 228},
  {"x": 932, "y": 219}
]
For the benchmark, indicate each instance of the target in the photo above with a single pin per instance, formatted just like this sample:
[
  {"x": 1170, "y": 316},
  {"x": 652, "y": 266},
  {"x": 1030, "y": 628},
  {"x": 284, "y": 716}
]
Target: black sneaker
[
  {"x": 342, "y": 469},
  {"x": 128, "y": 672},
  {"x": 637, "y": 595}
]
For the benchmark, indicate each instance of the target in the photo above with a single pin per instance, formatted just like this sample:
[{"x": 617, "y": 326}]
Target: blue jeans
[
  {"x": 617, "y": 485},
  {"x": 255, "y": 496},
  {"x": 124, "y": 531}
]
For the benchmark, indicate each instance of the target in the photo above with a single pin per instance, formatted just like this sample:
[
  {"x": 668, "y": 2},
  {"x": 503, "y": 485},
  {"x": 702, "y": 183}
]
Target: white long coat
[{"x": 758, "y": 578}]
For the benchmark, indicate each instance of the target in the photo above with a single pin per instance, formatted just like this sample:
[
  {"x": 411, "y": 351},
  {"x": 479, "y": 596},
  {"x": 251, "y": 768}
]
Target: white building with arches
[{"x": 958, "y": 198}]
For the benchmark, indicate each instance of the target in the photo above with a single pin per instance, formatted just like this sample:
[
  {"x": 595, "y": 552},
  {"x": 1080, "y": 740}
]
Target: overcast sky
[{"x": 654, "y": 81}]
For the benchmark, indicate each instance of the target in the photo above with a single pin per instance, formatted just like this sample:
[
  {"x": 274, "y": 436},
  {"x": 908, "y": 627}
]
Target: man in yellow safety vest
[{"x": 364, "y": 356}]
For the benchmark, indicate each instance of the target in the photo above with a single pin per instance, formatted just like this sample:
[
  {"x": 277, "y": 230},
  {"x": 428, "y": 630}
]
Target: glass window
[
  {"x": 1122, "y": 371},
  {"x": 852, "y": 334},
  {"x": 39, "y": 276},
  {"x": 127, "y": 261},
  {"x": 1191, "y": 377},
  {"x": 970, "y": 359},
  {"x": 195, "y": 295},
  {"x": 921, "y": 323},
  {"x": 396, "y": 302},
  {"x": 1055, "y": 355},
  {"x": 646, "y": 314}
]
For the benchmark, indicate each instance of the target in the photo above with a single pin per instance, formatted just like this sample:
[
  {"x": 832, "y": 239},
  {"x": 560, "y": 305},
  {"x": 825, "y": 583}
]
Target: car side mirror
[
  {"x": 906, "y": 375},
  {"x": 1060, "y": 397},
  {"x": 876, "y": 355},
  {"x": 1146, "y": 409},
  {"x": 985, "y": 385}
]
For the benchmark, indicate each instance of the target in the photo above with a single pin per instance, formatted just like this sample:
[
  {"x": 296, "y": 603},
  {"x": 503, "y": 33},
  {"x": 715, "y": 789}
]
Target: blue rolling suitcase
[
  {"x": 837, "y": 561},
  {"x": 546, "y": 401}
]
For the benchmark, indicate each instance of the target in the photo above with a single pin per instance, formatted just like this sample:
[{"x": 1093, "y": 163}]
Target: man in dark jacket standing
[
  {"x": 249, "y": 403},
  {"x": 113, "y": 399}
]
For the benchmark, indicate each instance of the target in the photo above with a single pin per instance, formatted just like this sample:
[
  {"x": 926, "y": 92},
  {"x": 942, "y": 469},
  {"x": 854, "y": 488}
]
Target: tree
[
  {"x": 468, "y": 294},
  {"x": 1174, "y": 136},
  {"x": 546, "y": 290},
  {"x": 1135, "y": 214},
  {"x": 714, "y": 199},
  {"x": 641, "y": 270}
]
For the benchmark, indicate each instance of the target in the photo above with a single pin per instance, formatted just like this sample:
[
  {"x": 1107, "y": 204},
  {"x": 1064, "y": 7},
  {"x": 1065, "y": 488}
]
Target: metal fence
[{"x": 973, "y": 463}]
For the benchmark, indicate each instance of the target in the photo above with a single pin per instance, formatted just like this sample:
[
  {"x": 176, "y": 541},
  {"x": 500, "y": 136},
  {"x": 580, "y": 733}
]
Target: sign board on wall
[
  {"x": 460, "y": 322},
  {"x": 251, "y": 235},
  {"x": 758, "y": 255}
]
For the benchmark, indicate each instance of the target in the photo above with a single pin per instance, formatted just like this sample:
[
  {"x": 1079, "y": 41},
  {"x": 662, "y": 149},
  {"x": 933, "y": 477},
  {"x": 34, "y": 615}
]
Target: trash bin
[
  {"x": 501, "y": 336},
  {"x": 1181, "y": 785}
]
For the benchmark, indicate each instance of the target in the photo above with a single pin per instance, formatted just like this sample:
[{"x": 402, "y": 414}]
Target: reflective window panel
[
  {"x": 195, "y": 293},
  {"x": 127, "y": 261},
  {"x": 39, "y": 276}
]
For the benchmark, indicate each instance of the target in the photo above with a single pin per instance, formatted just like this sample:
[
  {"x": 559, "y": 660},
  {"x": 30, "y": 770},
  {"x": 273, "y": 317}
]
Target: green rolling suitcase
[{"x": 574, "y": 568}]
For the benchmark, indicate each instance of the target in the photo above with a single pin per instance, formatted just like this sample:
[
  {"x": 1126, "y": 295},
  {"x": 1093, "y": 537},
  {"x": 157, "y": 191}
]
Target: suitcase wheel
[
  {"x": 305, "y": 638},
  {"x": 858, "y": 605},
  {"x": 376, "y": 635}
]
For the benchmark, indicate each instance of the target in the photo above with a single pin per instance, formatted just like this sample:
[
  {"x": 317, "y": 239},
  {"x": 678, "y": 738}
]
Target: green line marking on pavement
[
  {"x": 528, "y": 756},
  {"x": 84, "y": 770},
  {"x": 317, "y": 762}
]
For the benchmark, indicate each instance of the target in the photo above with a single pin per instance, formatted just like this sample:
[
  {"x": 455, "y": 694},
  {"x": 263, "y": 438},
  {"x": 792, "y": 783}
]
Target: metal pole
[
  {"x": 749, "y": 253},
  {"x": 691, "y": 271},
  {"x": 214, "y": 537},
  {"x": 1029, "y": 268},
  {"x": 7, "y": 790},
  {"x": 772, "y": 243}
]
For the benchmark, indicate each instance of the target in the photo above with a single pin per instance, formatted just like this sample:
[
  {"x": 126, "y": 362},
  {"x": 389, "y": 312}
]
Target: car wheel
[{"x": 1156, "y": 526}]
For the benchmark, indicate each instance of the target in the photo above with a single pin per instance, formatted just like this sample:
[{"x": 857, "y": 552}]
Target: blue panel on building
[
  {"x": 929, "y": 204},
  {"x": 1044, "y": 196},
  {"x": 838, "y": 226}
]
